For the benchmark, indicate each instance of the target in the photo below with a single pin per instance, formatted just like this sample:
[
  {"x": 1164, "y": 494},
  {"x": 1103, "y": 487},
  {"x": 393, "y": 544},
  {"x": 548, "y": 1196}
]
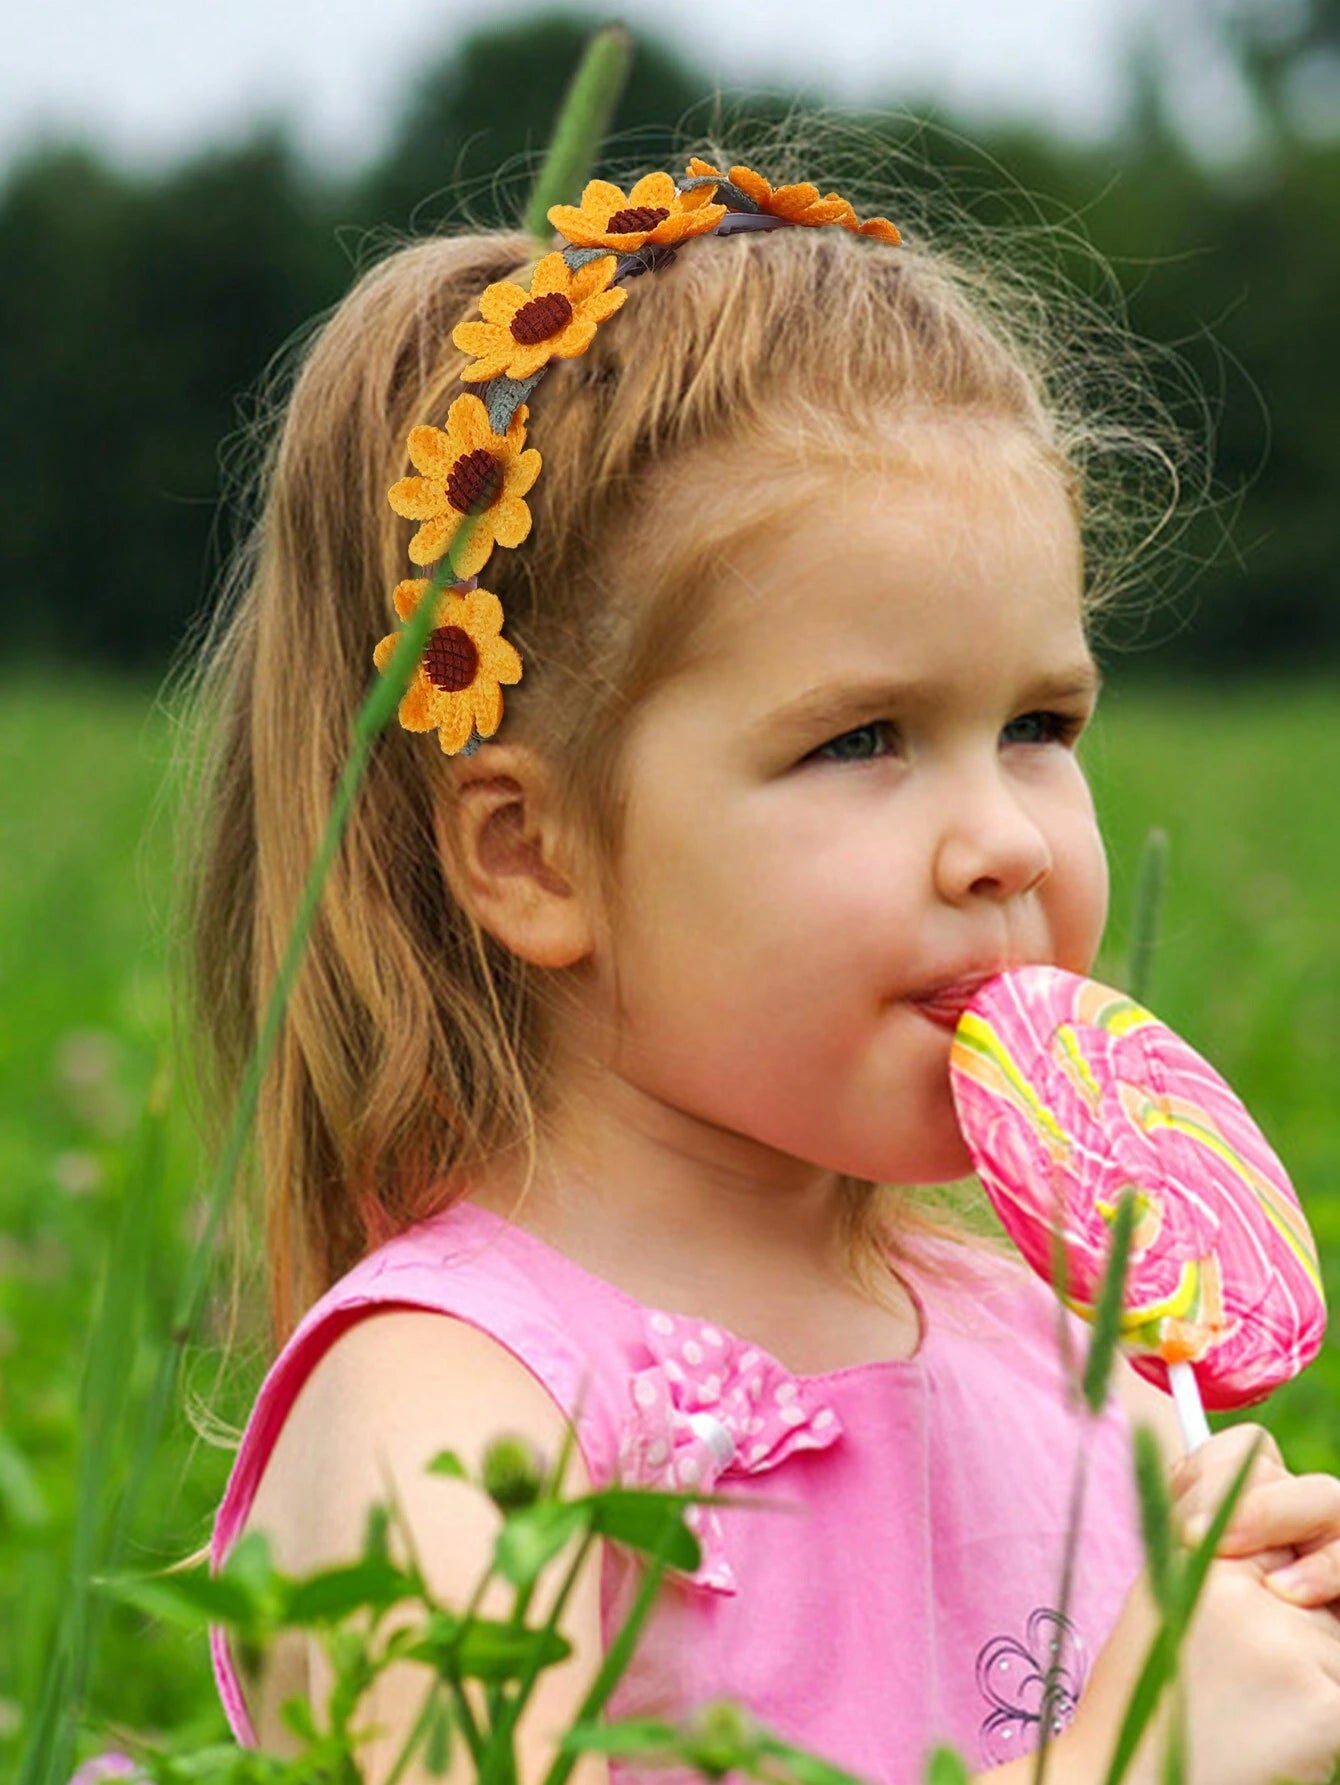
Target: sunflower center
[
  {"x": 475, "y": 481},
  {"x": 452, "y": 659},
  {"x": 542, "y": 317},
  {"x": 635, "y": 217}
]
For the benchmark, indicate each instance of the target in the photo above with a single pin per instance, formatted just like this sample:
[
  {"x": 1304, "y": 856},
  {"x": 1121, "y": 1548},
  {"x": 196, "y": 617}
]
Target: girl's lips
[{"x": 947, "y": 1005}]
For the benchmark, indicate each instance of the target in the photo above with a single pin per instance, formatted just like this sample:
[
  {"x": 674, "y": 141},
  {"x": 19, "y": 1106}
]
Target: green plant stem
[
  {"x": 511, "y": 1709},
  {"x": 583, "y": 119},
  {"x": 415, "y": 1735},
  {"x": 617, "y": 1655},
  {"x": 1151, "y": 879},
  {"x": 1079, "y": 1482}
]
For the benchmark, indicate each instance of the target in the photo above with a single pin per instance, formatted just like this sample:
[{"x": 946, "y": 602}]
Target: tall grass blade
[
  {"x": 1107, "y": 1313},
  {"x": 583, "y": 119},
  {"x": 46, "y": 1759},
  {"x": 1155, "y": 1517},
  {"x": 1151, "y": 879}
]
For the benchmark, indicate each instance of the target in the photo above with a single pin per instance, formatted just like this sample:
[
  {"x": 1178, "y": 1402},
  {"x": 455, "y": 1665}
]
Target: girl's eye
[
  {"x": 861, "y": 731},
  {"x": 1044, "y": 728}
]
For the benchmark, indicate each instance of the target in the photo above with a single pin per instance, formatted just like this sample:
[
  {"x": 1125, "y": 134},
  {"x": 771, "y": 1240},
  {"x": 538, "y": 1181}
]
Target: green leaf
[
  {"x": 638, "y": 1518},
  {"x": 491, "y": 1651},
  {"x": 1151, "y": 877},
  {"x": 637, "y": 1735},
  {"x": 296, "y": 1714},
  {"x": 376, "y": 1533},
  {"x": 1155, "y": 1517},
  {"x": 1107, "y": 1314},
  {"x": 250, "y": 1566},
  {"x": 446, "y": 1462},
  {"x": 946, "y": 1767},
  {"x": 334, "y": 1593},
  {"x": 533, "y": 1536},
  {"x": 192, "y": 1598},
  {"x": 1159, "y": 1666}
]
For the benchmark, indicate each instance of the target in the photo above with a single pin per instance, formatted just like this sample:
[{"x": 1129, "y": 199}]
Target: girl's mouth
[{"x": 947, "y": 1003}]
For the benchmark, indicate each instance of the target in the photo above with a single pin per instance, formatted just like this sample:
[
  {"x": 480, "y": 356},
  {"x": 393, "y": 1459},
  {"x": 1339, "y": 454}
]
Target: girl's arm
[{"x": 397, "y": 1388}]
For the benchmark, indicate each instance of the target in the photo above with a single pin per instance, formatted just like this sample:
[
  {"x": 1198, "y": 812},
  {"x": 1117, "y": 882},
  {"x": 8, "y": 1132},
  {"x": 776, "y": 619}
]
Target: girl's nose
[{"x": 990, "y": 845}]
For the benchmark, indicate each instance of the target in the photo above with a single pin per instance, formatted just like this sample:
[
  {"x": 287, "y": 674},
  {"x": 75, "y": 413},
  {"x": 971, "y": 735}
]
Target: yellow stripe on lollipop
[
  {"x": 1176, "y": 1113},
  {"x": 981, "y": 1054}
]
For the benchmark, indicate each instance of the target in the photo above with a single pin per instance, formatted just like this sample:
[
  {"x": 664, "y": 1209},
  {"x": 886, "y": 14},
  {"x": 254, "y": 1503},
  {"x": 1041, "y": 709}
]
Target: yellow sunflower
[
  {"x": 455, "y": 686},
  {"x": 652, "y": 212},
  {"x": 555, "y": 319},
  {"x": 467, "y": 469},
  {"x": 796, "y": 204}
]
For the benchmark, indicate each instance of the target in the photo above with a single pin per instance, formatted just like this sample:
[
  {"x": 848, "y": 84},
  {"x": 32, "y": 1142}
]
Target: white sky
[{"x": 146, "y": 80}]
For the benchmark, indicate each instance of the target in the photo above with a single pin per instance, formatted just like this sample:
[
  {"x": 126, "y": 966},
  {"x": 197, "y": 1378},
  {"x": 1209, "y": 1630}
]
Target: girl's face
[{"x": 793, "y": 884}]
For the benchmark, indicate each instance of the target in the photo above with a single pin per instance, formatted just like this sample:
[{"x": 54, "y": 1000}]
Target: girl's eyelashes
[{"x": 1040, "y": 727}]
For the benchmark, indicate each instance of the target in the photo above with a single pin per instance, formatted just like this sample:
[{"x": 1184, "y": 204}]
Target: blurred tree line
[{"x": 137, "y": 315}]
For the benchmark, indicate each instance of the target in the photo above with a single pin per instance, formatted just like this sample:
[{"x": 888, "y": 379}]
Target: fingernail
[{"x": 1291, "y": 1581}]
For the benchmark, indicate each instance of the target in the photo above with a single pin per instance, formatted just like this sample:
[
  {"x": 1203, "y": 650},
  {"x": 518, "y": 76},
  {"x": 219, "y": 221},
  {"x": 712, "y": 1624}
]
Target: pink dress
[{"x": 908, "y": 1591}]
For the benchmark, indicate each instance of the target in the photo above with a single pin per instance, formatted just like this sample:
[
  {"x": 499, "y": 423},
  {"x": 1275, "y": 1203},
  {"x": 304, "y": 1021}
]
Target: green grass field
[{"x": 1244, "y": 782}]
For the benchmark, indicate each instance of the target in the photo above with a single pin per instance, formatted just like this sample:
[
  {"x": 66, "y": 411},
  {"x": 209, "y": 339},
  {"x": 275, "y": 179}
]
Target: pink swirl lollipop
[{"x": 1068, "y": 1093}]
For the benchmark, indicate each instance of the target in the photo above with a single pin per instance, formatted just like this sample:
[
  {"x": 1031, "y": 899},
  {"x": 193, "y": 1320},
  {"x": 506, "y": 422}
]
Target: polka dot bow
[{"x": 709, "y": 1407}]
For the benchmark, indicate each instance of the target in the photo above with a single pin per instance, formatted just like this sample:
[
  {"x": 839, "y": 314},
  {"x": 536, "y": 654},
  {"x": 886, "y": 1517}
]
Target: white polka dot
[
  {"x": 693, "y": 1351},
  {"x": 673, "y": 1370},
  {"x": 792, "y": 1416},
  {"x": 710, "y": 1388},
  {"x": 657, "y": 1452},
  {"x": 757, "y": 1451},
  {"x": 786, "y": 1391},
  {"x": 755, "y": 1424},
  {"x": 644, "y": 1392},
  {"x": 748, "y": 1359},
  {"x": 824, "y": 1417},
  {"x": 694, "y": 1516},
  {"x": 662, "y": 1323},
  {"x": 690, "y": 1471},
  {"x": 710, "y": 1336},
  {"x": 755, "y": 1387}
]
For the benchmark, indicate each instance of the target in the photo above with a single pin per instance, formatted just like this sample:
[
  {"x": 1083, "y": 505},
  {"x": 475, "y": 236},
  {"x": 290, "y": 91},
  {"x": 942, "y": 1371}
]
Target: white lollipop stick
[{"x": 1190, "y": 1408}]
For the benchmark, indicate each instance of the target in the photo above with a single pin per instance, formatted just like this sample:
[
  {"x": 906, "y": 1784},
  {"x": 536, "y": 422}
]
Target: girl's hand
[{"x": 1288, "y": 1525}]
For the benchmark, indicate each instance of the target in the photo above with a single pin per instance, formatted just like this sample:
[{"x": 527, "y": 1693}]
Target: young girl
[{"x": 623, "y": 1033}]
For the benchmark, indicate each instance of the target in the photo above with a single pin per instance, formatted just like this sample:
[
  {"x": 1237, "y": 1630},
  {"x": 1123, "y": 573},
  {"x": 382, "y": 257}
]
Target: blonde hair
[{"x": 414, "y": 1049}]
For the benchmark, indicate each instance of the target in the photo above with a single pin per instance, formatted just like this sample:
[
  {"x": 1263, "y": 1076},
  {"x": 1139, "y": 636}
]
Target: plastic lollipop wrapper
[{"x": 1069, "y": 1095}]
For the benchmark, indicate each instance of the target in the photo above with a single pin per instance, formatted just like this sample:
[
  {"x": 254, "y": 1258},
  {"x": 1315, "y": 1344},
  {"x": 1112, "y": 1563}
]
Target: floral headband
[{"x": 479, "y": 466}]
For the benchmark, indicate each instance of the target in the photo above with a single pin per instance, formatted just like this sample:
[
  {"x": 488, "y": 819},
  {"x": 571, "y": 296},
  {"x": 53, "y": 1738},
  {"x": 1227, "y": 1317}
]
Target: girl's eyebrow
[{"x": 831, "y": 703}]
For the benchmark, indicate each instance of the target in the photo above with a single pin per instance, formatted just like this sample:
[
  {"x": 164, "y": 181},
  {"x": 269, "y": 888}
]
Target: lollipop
[{"x": 1069, "y": 1094}]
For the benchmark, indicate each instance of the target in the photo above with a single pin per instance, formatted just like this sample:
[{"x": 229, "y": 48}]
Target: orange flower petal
[
  {"x": 525, "y": 360},
  {"x": 511, "y": 522},
  {"x": 501, "y": 302},
  {"x": 694, "y": 197},
  {"x": 680, "y": 225},
  {"x": 433, "y": 538},
  {"x": 501, "y": 661},
  {"x": 408, "y": 594},
  {"x": 416, "y": 499},
  {"x": 483, "y": 614},
  {"x": 698, "y": 168},
  {"x": 653, "y": 189},
  {"x": 752, "y": 185},
  {"x": 578, "y": 229},
  {"x": 600, "y": 197},
  {"x": 468, "y": 425},
  {"x": 604, "y": 304},
  {"x": 552, "y": 275},
  {"x": 383, "y": 649},
  {"x": 574, "y": 339},
  {"x": 593, "y": 278},
  {"x": 523, "y": 472},
  {"x": 431, "y": 452},
  {"x": 788, "y": 198},
  {"x": 882, "y": 230},
  {"x": 455, "y": 722},
  {"x": 475, "y": 553},
  {"x": 487, "y": 704},
  {"x": 417, "y": 709}
]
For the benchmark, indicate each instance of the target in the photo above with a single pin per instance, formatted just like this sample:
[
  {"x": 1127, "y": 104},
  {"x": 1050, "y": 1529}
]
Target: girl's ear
[{"x": 504, "y": 859}]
